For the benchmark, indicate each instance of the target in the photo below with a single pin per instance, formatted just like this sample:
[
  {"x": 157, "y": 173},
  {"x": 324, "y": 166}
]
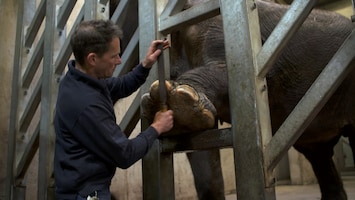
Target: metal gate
[
  {"x": 42, "y": 51},
  {"x": 256, "y": 152}
]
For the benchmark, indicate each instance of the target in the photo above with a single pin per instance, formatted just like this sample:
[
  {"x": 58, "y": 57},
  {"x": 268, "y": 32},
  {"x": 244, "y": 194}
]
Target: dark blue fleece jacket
[{"x": 89, "y": 144}]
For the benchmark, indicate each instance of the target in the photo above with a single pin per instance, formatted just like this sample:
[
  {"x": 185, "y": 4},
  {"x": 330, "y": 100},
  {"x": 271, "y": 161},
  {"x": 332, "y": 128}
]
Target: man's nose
[{"x": 118, "y": 60}]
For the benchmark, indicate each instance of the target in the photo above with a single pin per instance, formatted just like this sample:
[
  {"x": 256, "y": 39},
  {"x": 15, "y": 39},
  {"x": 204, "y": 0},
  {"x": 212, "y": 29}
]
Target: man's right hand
[{"x": 163, "y": 121}]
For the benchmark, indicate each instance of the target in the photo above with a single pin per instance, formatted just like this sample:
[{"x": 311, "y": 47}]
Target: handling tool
[{"x": 161, "y": 78}]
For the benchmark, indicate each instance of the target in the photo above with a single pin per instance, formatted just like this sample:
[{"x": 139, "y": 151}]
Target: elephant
[{"x": 198, "y": 88}]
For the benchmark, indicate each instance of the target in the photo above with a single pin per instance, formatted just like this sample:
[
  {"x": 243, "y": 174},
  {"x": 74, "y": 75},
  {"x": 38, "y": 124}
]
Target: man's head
[{"x": 96, "y": 47}]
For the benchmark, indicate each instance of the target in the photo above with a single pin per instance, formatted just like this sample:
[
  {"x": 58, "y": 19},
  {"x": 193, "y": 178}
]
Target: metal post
[
  {"x": 158, "y": 171},
  {"x": 96, "y": 10},
  {"x": 14, "y": 103},
  {"x": 248, "y": 97}
]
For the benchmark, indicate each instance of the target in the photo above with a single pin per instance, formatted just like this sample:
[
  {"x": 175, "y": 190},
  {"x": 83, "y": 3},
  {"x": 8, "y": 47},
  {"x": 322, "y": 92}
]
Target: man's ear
[{"x": 91, "y": 59}]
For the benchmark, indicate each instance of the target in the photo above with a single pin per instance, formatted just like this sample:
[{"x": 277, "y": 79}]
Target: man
[{"x": 89, "y": 143}]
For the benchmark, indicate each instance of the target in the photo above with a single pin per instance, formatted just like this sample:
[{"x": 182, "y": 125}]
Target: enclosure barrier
[
  {"x": 256, "y": 151},
  {"x": 42, "y": 50}
]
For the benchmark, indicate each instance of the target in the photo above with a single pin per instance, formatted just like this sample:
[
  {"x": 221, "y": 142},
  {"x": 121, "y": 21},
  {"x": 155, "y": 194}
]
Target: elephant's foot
[{"x": 193, "y": 111}]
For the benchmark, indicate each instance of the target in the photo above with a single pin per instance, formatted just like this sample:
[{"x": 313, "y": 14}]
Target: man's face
[{"x": 106, "y": 64}]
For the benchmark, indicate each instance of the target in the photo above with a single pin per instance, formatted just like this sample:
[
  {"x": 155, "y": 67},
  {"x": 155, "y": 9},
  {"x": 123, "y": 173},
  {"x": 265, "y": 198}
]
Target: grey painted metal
[
  {"x": 173, "y": 7},
  {"x": 282, "y": 33},
  {"x": 31, "y": 107},
  {"x": 195, "y": 14},
  {"x": 36, "y": 24},
  {"x": 64, "y": 13},
  {"x": 16, "y": 74},
  {"x": 158, "y": 182},
  {"x": 48, "y": 94},
  {"x": 353, "y": 16},
  {"x": 66, "y": 51},
  {"x": 309, "y": 106},
  {"x": 28, "y": 155},
  {"x": 33, "y": 64},
  {"x": 132, "y": 116},
  {"x": 128, "y": 57},
  {"x": 50, "y": 48},
  {"x": 121, "y": 10},
  {"x": 210, "y": 139},
  {"x": 96, "y": 10},
  {"x": 247, "y": 98}
]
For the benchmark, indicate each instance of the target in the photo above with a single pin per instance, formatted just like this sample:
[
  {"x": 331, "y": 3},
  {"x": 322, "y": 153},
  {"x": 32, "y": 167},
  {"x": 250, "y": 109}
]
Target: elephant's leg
[
  {"x": 207, "y": 171},
  {"x": 193, "y": 111},
  {"x": 349, "y": 131},
  {"x": 320, "y": 157}
]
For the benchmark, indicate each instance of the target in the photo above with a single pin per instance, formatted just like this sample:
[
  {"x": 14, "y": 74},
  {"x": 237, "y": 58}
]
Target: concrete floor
[{"x": 306, "y": 192}]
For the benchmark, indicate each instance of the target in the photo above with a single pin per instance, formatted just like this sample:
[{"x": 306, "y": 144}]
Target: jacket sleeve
[
  {"x": 125, "y": 85},
  {"x": 96, "y": 128}
]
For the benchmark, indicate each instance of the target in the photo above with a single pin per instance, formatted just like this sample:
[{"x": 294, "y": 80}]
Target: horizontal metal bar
[
  {"x": 283, "y": 32},
  {"x": 195, "y": 14},
  {"x": 132, "y": 116},
  {"x": 312, "y": 102},
  {"x": 210, "y": 139},
  {"x": 28, "y": 154},
  {"x": 117, "y": 16},
  {"x": 31, "y": 107},
  {"x": 173, "y": 7},
  {"x": 33, "y": 64},
  {"x": 66, "y": 50},
  {"x": 64, "y": 13},
  {"x": 129, "y": 56},
  {"x": 35, "y": 24}
]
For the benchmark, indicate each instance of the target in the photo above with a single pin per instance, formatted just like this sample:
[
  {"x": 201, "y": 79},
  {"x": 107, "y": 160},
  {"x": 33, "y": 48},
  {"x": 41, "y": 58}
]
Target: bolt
[{"x": 253, "y": 6}]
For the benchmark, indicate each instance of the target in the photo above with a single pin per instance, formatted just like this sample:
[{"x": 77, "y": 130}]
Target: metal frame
[
  {"x": 256, "y": 151},
  {"x": 39, "y": 95},
  {"x": 34, "y": 91}
]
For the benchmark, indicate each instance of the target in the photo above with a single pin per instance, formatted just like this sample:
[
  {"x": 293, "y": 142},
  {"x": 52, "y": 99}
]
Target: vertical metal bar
[
  {"x": 248, "y": 97},
  {"x": 95, "y": 10},
  {"x": 158, "y": 171},
  {"x": 16, "y": 74},
  {"x": 45, "y": 165}
]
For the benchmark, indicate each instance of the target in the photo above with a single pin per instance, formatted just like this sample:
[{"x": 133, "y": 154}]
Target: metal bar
[
  {"x": 47, "y": 100},
  {"x": 309, "y": 106},
  {"x": 283, "y": 32},
  {"x": 28, "y": 154},
  {"x": 64, "y": 13},
  {"x": 192, "y": 15},
  {"x": 119, "y": 14},
  {"x": 158, "y": 171},
  {"x": 173, "y": 7},
  {"x": 210, "y": 139},
  {"x": 90, "y": 9},
  {"x": 129, "y": 56},
  {"x": 158, "y": 182},
  {"x": 33, "y": 64},
  {"x": 247, "y": 98},
  {"x": 36, "y": 24},
  {"x": 31, "y": 107},
  {"x": 95, "y": 10},
  {"x": 66, "y": 50},
  {"x": 132, "y": 116},
  {"x": 16, "y": 74}
]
